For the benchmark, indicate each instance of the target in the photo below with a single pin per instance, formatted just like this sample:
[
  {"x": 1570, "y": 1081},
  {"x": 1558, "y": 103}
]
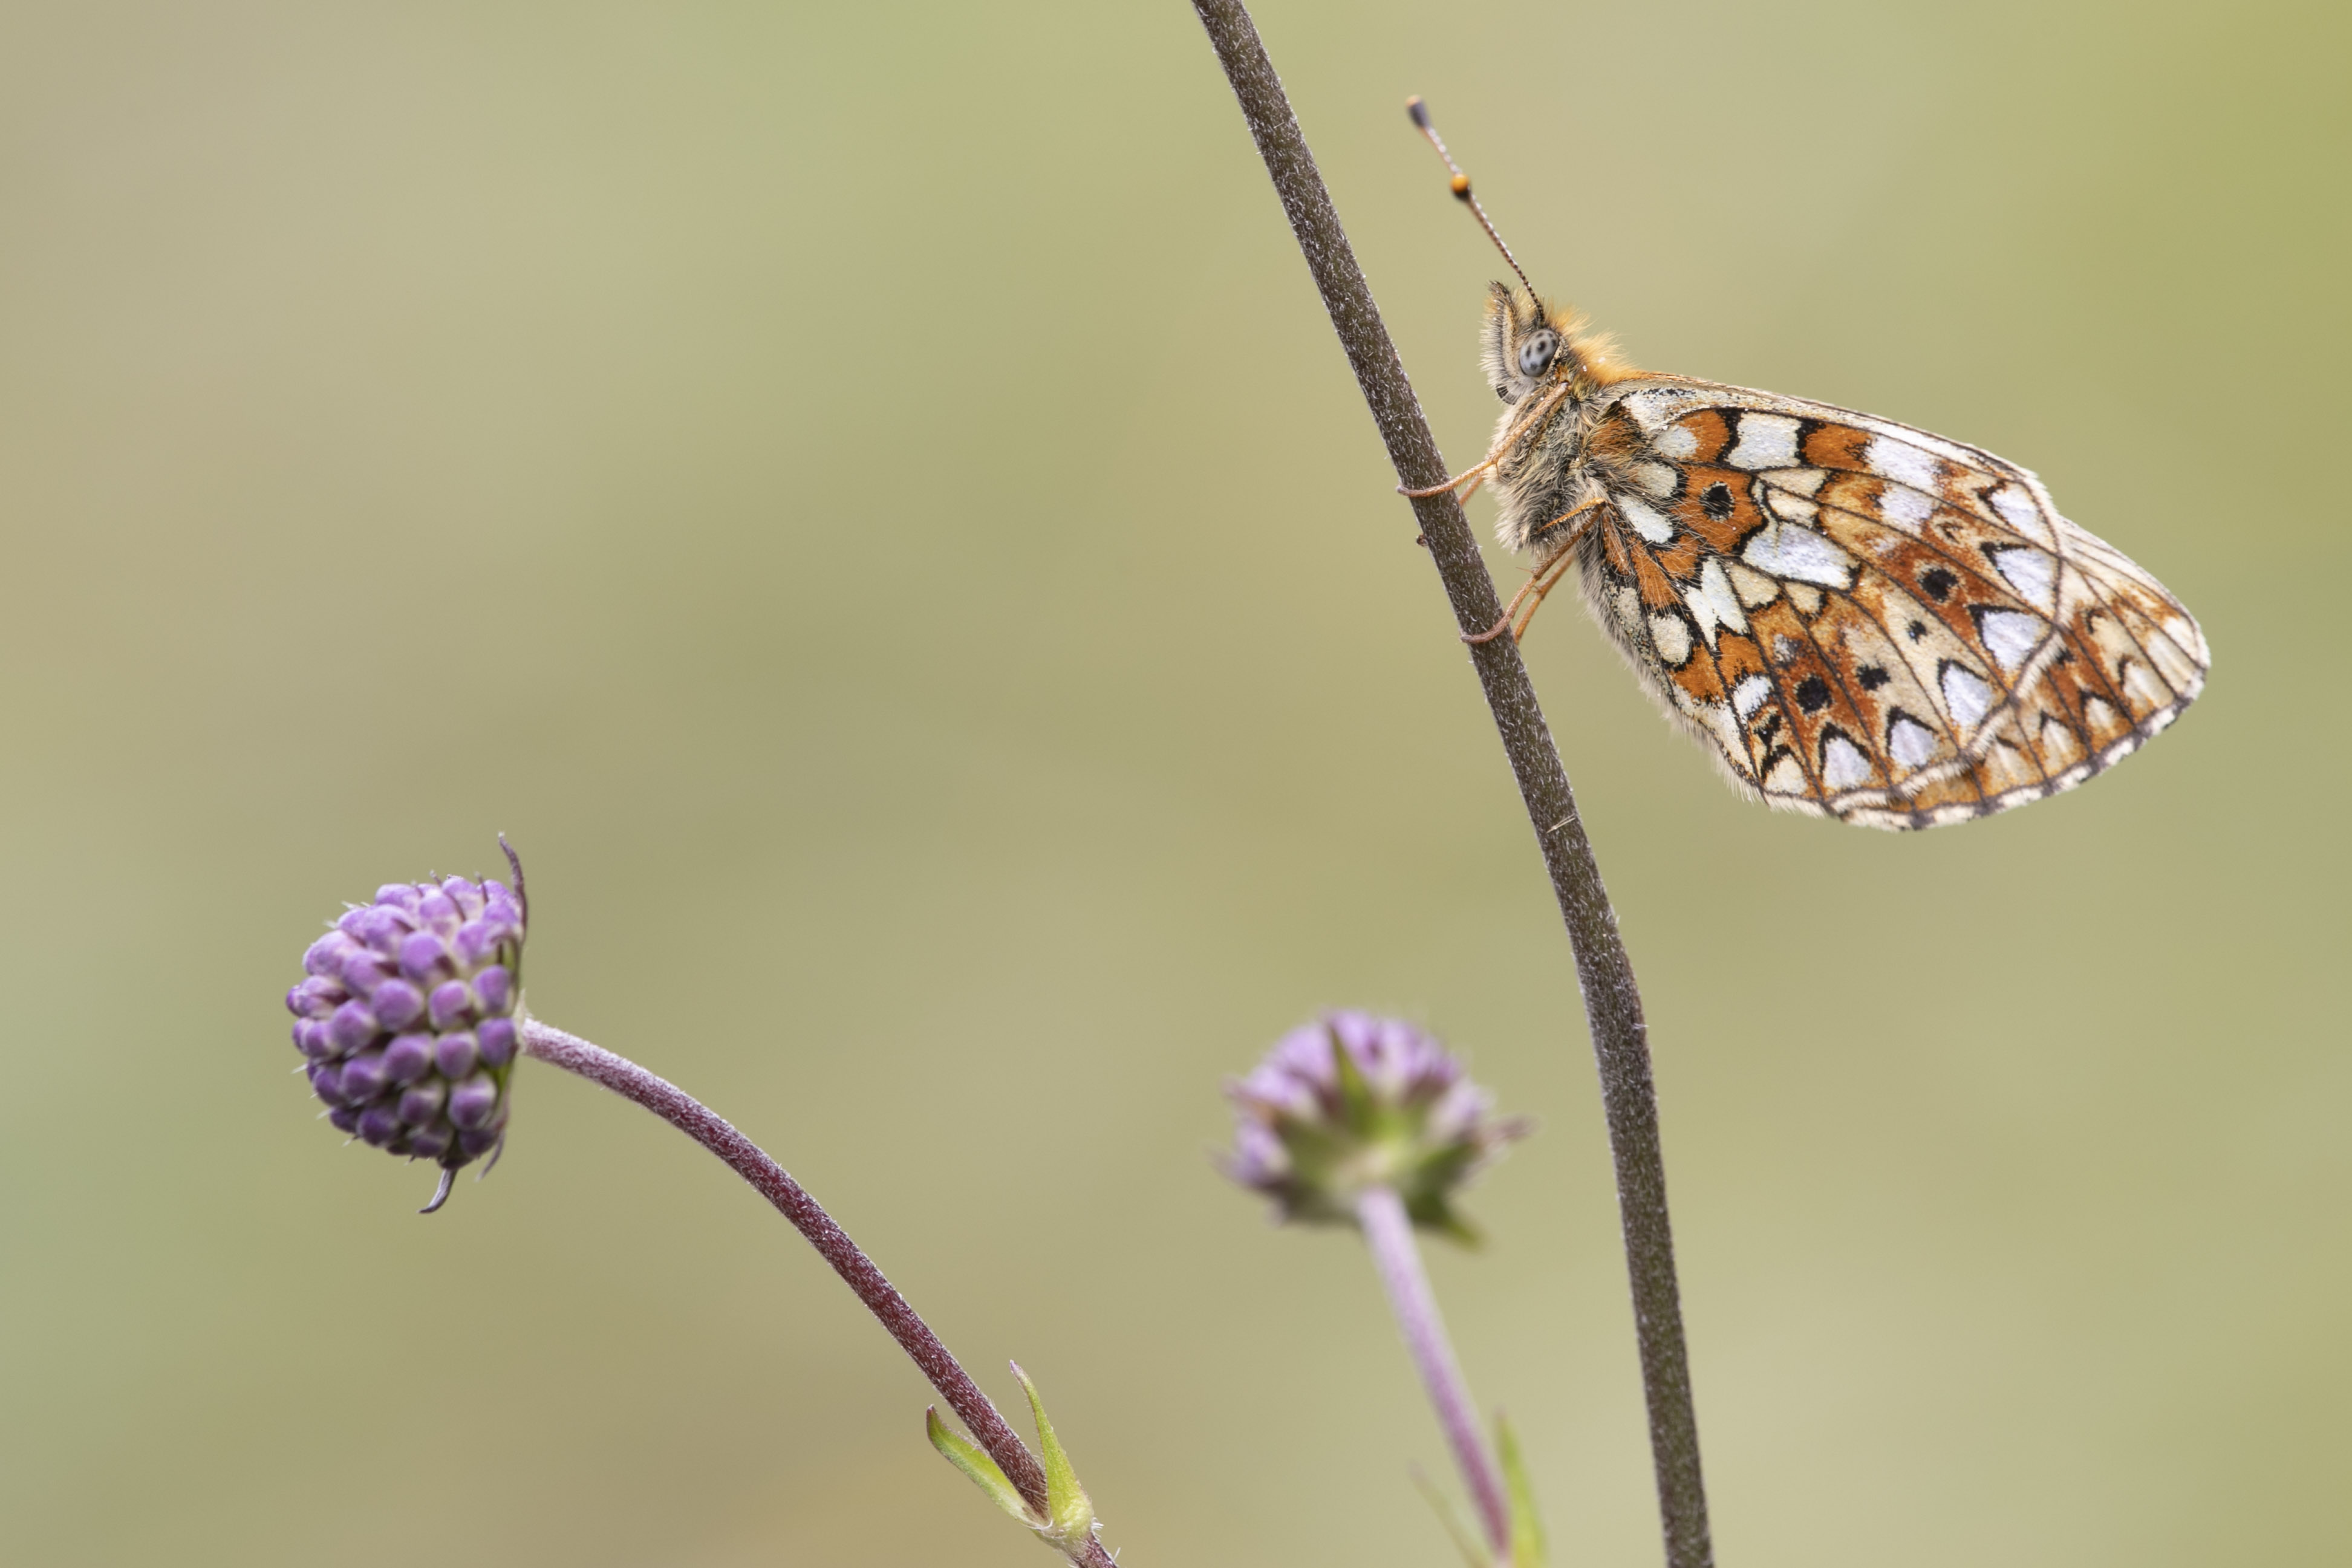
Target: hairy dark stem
[
  {"x": 748, "y": 1160},
  {"x": 1612, "y": 1005}
]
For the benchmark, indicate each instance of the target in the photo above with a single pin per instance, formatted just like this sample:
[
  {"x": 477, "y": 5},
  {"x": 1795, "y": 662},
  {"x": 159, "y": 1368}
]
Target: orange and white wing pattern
[{"x": 1866, "y": 621}]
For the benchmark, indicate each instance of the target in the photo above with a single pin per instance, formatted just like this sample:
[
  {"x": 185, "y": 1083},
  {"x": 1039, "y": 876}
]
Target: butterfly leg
[
  {"x": 1497, "y": 629},
  {"x": 1543, "y": 582},
  {"x": 1543, "y": 585},
  {"x": 1471, "y": 476}
]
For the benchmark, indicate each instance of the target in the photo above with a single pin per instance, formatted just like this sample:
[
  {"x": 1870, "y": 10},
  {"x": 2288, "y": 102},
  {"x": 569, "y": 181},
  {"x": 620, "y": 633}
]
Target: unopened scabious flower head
[
  {"x": 407, "y": 1018},
  {"x": 1353, "y": 1102}
]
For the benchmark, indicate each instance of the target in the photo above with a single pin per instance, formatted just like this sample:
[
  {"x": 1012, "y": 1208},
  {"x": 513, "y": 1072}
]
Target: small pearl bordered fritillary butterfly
[{"x": 1861, "y": 619}]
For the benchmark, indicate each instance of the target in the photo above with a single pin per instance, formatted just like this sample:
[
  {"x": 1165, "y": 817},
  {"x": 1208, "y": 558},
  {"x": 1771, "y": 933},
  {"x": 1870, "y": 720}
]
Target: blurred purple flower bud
[
  {"x": 472, "y": 1102},
  {"x": 421, "y": 954},
  {"x": 475, "y": 941},
  {"x": 377, "y": 926},
  {"x": 408, "y": 1058},
  {"x": 378, "y": 1123},
  {"x": 1356, "y": 1101},
  {"x": 419, "y": 1106},
  {"x": 362, "y": 1076},
  {"x": 456, "y": 1054},
  {"x": 498, "y": 1039},
  {"x": 325, "y": 955},
  {"x": 363, "y": 971},
  {"x": 494, "y": 990},
  {"x": 421, "y": 963},
  {"x": 452, "y": 1005},
  {"x": 351, "y": 1027},
  {"x": 397, "y": 1004},
  {"x": 316, "y": 998}
]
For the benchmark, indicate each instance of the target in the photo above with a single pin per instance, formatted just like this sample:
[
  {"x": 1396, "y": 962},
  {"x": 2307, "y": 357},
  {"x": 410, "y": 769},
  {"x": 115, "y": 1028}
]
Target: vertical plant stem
[
  {"x": 772, "y": 1182},
  {"x": 1613, "y": 1003},
  {"x": 1388, "y": 1232}
]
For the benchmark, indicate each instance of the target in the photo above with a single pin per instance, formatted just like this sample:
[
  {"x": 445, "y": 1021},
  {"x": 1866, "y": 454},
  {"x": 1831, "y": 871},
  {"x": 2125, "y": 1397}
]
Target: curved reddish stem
[{"x": 748, "y": 1160}]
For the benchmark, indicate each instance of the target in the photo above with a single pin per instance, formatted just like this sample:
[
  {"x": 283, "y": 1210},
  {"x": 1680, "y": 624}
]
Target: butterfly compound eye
[{"x": 1537, "y": 352}]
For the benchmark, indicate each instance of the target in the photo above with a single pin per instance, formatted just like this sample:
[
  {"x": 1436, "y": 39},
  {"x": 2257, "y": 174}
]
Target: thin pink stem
[
  {"x": 1389, "y": 1233},
  {"x": 748, "y": 1160}
]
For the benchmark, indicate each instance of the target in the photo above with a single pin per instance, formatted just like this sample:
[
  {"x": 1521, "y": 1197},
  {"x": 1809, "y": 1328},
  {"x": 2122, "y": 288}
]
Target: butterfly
[{"x": 1861, "y": 619}]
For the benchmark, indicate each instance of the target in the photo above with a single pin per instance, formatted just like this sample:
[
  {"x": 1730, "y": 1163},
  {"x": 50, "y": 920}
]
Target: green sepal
[
  {"x": 1072, "y": 1513},
  {"x": 1435, "y": 1214},
  {"x": 1527, "y": 1529},
  {"x": 1450, "y": 1517},
  {"x": 985, "y": 1475},
  {"x": 1359, "y": 1107}
]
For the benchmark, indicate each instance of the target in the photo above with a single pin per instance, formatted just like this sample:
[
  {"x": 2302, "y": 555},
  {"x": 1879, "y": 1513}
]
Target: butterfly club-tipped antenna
[{"x": 1420, "y": 111}]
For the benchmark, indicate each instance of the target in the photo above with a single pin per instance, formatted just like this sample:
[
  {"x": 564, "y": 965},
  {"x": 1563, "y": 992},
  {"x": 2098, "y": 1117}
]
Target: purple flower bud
[
  {"x": 378, "y": 927},
  {"x": 351, "y": 1027},
  {"x": 1357, "y": 1101},
  {"x": 452, "y": 1006},
  {"x": 397, "y": 895},
  {"x": 472, "y": 1102},
  {"x": 421, "y": 1105},
  {"x": 408, "y": 1058},
  {"x": 494, "y": 990},
  {"x": 420, "y": 964},
  {"x": 456, "y": 1054},
  {"x": 397, "y": 1004},
  {"x": 363, "y": 1075},
  {"x": 363, "y": 972},
  {"x": 476, "y": 942},
  {"x": 325, "y": 955},
  {"x": 378, "y": 1124},
  {"x": 316, "y": 998},
  {"x": 422, "y": 956},
  {"x": 498, "y": 1038}
]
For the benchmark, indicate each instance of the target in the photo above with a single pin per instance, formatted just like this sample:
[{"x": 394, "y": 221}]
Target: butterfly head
[{"x": 1531, "y": 346}]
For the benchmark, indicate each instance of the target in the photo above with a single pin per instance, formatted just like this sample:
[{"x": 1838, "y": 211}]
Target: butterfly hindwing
[{"x": 1866, "y": 621}]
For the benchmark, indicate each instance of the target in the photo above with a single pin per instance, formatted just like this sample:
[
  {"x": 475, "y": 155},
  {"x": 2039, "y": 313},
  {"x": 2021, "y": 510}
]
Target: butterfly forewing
[{"x": 1864, "y": 620}]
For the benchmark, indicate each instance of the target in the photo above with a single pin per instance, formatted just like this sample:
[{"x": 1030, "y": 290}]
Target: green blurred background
[{"x": 866, "y": 497}]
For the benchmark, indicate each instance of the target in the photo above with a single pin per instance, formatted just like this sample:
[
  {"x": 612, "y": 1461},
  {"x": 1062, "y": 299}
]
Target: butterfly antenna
[{"x": 1420, "y": 112}]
